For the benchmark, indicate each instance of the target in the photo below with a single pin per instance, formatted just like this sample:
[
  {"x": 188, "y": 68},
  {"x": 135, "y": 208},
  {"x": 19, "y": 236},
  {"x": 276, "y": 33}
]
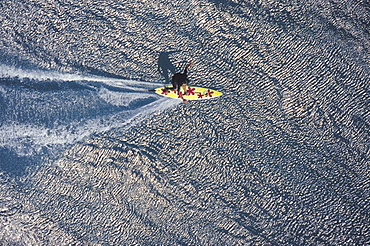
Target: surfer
[{"x": 181, "y": 80}]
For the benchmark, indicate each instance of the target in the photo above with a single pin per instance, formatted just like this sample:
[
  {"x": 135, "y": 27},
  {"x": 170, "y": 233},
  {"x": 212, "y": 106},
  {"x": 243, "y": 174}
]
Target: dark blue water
[{"x": 88, "y": 156}]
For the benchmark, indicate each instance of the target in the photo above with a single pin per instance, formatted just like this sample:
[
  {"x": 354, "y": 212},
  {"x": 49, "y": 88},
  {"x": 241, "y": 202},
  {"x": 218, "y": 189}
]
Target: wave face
[{"x": 89, "y": 157}]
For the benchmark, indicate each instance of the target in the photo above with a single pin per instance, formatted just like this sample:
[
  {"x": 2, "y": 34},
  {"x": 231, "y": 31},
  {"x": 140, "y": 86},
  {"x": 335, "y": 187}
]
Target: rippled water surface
[{"x": 89, "y": 156}]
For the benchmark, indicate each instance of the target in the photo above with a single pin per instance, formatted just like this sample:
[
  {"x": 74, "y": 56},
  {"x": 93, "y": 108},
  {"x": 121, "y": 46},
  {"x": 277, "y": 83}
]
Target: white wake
[{"x": 42, "y": 121}]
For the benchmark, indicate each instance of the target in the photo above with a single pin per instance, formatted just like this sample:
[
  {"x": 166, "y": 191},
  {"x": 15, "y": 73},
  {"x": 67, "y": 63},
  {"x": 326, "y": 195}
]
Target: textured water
[{"x": 89, "y": 157}]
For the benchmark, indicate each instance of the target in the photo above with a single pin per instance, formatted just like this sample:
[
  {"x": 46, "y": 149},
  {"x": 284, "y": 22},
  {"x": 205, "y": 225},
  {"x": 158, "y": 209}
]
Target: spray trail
[
  {"x": 34, "y": 121},
  {"x": 20, "y": 74}
]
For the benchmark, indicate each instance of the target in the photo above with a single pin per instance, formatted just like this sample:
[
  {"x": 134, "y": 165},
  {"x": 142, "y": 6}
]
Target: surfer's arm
[{"x": 187, "y": 67}]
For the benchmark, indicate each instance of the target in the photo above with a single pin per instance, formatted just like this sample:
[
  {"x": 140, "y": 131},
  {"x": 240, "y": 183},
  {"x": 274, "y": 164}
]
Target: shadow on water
[
  {"x": 165, "y": 65},
  {"x": 14, "y": 165}
]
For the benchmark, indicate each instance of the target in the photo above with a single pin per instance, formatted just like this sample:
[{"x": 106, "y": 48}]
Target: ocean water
[{"x": 89, "y": 156}]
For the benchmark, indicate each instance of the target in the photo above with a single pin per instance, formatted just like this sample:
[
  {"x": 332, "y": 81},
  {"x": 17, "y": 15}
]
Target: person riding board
[{"x": 181, "y": 80}]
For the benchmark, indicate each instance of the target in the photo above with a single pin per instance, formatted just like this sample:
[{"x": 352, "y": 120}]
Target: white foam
[
  {"x": 121, "y": 99},
  {"x": 13, "y": 72},
  {"x": 31, "y": 138}
]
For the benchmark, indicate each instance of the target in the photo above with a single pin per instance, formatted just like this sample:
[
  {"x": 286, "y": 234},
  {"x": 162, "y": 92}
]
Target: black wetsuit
[{"x": 178, "y": 79}]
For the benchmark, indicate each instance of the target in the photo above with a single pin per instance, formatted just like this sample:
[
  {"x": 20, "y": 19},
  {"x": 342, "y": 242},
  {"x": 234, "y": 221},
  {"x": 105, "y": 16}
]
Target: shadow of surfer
[
  {"x": 165, "y": 65},
  {"x": 178, "y": 80}
]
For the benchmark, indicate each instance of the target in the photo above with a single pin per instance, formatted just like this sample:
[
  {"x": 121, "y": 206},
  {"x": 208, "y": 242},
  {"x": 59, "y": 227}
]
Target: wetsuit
[{"x": 178, "y": 79}]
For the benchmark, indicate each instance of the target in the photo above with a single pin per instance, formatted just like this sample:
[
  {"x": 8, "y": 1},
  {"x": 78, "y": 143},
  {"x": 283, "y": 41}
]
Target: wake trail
[
  {"x": 12, "y": 72},
  {"x": 43, "y": 121}
]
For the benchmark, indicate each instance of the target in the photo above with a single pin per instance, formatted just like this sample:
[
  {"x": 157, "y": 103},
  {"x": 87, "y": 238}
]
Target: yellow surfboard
[{"x": 191, "y": 93}]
